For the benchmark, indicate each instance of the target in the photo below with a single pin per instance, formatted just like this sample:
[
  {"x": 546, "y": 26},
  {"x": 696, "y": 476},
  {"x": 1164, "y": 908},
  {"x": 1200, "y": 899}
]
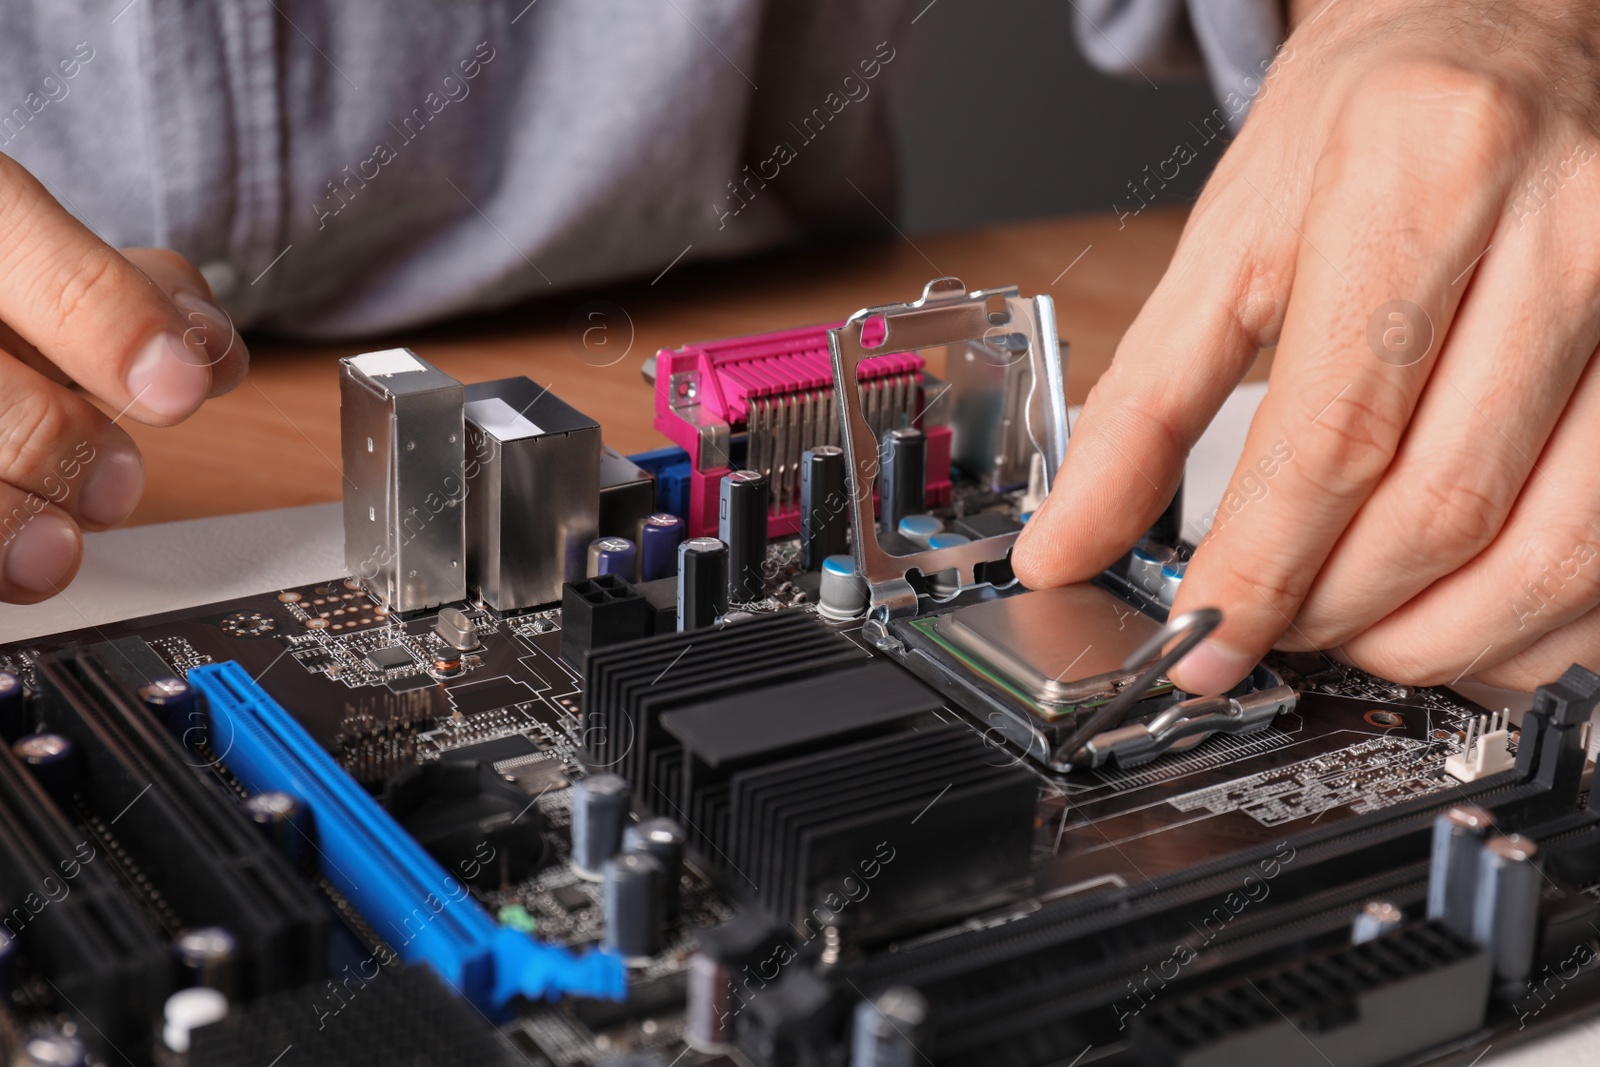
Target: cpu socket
[
  {"x": 1039, "y": 661},
  {"x": 1063, "y": 649}
]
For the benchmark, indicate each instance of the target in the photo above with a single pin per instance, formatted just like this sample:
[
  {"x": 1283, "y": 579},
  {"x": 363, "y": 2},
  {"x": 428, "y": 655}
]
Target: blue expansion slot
[{"x": 425, "y": 914}]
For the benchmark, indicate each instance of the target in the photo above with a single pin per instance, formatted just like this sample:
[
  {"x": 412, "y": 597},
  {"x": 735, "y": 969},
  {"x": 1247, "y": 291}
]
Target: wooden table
[{"x": 274, "y": 441}]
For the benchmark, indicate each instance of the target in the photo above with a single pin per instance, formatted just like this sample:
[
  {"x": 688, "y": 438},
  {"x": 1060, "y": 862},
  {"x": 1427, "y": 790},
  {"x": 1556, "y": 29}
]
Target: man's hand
[
  {"x": 1412, "y": 216},
  {"x": 136, "y": 328}
]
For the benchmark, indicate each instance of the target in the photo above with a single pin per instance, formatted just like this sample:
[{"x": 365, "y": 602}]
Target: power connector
[{"x": 1485, "y": 751}]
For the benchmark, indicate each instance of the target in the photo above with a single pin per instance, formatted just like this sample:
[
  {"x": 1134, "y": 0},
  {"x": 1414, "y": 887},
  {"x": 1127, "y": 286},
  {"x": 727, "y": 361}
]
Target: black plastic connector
[
  {"x": 601, "y": 611},
  {"x": 1550, "y": 750},
  {"x": 80, "y": 930},
  {"x": 193, "y": 848}
]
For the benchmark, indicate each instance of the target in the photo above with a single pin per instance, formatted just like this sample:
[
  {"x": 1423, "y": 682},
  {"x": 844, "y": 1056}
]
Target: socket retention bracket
[{"x": 1005, "y": 323}]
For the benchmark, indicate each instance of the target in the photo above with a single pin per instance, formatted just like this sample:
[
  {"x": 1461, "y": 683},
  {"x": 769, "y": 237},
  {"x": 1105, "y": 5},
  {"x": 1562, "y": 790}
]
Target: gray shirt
[{"x": 354, "y": 166}]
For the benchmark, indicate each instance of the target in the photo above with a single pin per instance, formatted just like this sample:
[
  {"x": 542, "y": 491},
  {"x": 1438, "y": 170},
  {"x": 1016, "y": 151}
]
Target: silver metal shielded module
[
  {"x": 1061, "y": 646},
  {"x": 403, "y": 442}
]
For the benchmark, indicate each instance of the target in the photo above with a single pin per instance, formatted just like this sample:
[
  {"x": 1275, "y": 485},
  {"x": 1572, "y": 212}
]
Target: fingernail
[
  {"x": 113, "y": 486},
  {"x": 1212, "y": 667},
  {"x": 41, "y": 555},
  {"x": 209, "y": 332},
  {"x": 167, "y": 379}
]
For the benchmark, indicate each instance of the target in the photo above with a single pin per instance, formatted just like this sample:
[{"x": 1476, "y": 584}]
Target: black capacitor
[
  {"x": 902, "y": 478},
  {"x": 50, "y": 759},
  {"x": 742, "y": 525},
  {"x": 663, "y": 839},
  {"x": 13, "y": 709},
  {"x": 599, "y": 812},
  {"x": 887, "y": 1027},
  {"x": 1168, "y": 529},
  {"x": 824, "y": 506},
  {"x": 632, "y": 905},
  {"x": 1506, "y": 919},
  {"x": 209, "y": 956},
  {"x": 709, "y": 1008},
  {"x": 8, "y": 965},
  {"x": 172, "y": 701},
  {"x": 284, "y": 821},
  {"x": 1458, "y": 836},
  {"x": 702, "y": 582},
  {"x": 52, "y": 1048}
]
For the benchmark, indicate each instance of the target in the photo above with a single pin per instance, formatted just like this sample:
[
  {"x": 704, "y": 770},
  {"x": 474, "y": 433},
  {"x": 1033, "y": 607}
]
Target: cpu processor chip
[{"x": 1061, "y": 647}]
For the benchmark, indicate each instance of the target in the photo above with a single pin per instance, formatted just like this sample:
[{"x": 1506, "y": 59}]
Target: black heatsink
[{"x": 627, "y": 688}]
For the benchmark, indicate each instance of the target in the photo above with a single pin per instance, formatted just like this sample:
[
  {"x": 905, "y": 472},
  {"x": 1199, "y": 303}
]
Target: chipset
[{"x": 389, "y": 657}]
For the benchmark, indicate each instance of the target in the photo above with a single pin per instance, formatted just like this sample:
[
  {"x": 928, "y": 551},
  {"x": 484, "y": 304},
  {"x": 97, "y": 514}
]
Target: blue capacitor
[
  {"x": 659, "y": 537},
  {"x": 946, "y": 582},
  {"x": 13, "y": 716},
  {"x": 8, "y": 965},
  {"x": 1171, "y": 578},
  {"x": 918, "y": 529},
  {"x": 172, "y": 701},
  {"x": 612, "y": 555},
  {"x": 49, "y": 758},
  {"x": 843, "y": 595},
  {"x": 948, "y": 540}
]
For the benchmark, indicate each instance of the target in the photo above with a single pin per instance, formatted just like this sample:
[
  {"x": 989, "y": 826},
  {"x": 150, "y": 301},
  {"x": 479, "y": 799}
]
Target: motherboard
[{"x": 751, "y": 752}]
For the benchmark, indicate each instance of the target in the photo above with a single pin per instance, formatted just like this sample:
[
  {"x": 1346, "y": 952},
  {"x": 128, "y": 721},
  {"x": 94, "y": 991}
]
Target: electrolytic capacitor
[
  {"x": 52, "y": 1048},
  {"x": 172, "y": 701},
  {"x": 13, "y": 713},
  {"x": 1172, "y": 573},
  {"x": 886, "y": 1029},
  {"x": 1145, "y": 564},
  {"x": 612, "y": 555},
  {"x": 659, "y": 537},
  {"x": 209, "y": 956},
  {"x": 919, "y": 528},
  {"x": 1169, "y": 527},
  {"x": 902, "y": 478},
  {"x": 702, "y": 582},
  {"x": 663, "y": 839},
  {"x": 1506, "y": 918},
  {"x": 188, "y": 1010},
  {"x": 824, "y": 506},
  {"x": 49, "y": 758},
  {"x": 742, "y": 524},
  {"x": 708, "y": 1011},
  {"x": 1458, "y": 836},
  {"x": 599, "y": 812},
  {"x": 283, "y": 820},
  {"x": 8, "y": 965},
  {"x": 946, "y": 582},
  {"x": 632, "y": 906},
  {"x": 1376, "y": 918},
  {"x": 843, "y": 595}
]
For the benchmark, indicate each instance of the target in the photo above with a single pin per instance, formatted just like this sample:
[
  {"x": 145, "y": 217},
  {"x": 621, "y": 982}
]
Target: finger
[
  {"x": 208, "y": 325},
  {"x": 1471, "y": 444},
  {"x": 1547, "y": 658},
  {"x": 1187, "y": 349},
  {"x": 23, "y": 352},
  {"x": 57, "y": 446},
  {"x": 1368, "y": 238},
  {"x": 39, "y": 547},
  {"x": 1541, "y": 573},
  {"x": 93, "y": 313}
]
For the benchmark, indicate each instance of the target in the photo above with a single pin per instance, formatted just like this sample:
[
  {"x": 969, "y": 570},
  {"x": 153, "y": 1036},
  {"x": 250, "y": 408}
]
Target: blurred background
[{"x": 1075, "y": 144}]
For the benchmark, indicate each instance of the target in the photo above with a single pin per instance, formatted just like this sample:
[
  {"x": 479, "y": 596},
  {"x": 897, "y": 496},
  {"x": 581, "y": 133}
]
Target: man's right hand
[{"x": 137, "y": 328}]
